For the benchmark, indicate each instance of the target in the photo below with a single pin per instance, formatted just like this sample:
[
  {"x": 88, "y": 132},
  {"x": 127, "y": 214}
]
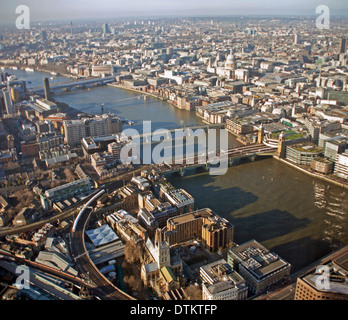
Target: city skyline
[
  {"x": 85, "y": 10},
  {"x": 174, "y": 151}
]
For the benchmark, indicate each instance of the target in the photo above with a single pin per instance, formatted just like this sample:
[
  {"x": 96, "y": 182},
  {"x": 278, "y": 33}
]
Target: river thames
[{"x": 296, "y": 216}]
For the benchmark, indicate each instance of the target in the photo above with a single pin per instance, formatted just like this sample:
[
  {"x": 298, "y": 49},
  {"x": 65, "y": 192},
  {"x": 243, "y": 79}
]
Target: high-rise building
[
  {"x": 10, "y": 108},
  {"x": 106, "y": 28},
  {"x": 43, "y": 35},
  {"x": 343, "y": 45},
  {"x": 297, "y": 38},
  {"x": 47, "y": 89}
]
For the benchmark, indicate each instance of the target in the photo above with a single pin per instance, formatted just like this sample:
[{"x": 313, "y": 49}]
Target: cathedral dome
[{"x": 229, "y": 64}]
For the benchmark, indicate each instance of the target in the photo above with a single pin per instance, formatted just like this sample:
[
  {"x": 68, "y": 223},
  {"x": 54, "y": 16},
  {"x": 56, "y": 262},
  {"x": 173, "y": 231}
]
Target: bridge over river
[
  {"x": 67, "y": 85},
  {"x": 234, "y": 155}
]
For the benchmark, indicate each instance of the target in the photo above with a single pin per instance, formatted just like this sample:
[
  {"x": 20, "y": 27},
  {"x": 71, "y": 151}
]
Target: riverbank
[
  {"x": 73, "y": 112},
  {"x": 120, "y": 86},
  {"x": 313, "y": 174},
  {"x": 238, "y": 138},
  {"x": 36, "y": 68}
]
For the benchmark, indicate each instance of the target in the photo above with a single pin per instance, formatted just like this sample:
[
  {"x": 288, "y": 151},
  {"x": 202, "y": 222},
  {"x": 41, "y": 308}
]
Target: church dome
[{"x": 229, "y": 64}]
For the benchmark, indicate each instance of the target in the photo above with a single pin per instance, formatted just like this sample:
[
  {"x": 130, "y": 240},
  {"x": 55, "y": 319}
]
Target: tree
[
  {"x": 132, "y": 252},
  {"x": 193, "y": 292},
  {"x": 69, "y": 175},
  {"x": 24, "y": 198},
  {"x": 133, "y": 282}
]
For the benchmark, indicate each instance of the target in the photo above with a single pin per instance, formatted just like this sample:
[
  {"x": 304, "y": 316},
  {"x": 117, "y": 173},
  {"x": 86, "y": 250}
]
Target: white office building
[{"x": 221, "y": 282}]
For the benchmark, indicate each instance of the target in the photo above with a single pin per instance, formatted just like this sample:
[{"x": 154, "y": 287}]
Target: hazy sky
[{"x": 45, "y": 10}]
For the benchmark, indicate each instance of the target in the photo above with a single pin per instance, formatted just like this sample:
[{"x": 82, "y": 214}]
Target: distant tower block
[
  {"x": 261, "y": 134},
  {"x": 343, "y": 45},
  {"x": 297, "y": 38},
  {"x": 10, "y": 108},
  {"x": 293, "y": 111},
  {"x": 281, "y": 145},
  {"x": 47, "y": 89}
]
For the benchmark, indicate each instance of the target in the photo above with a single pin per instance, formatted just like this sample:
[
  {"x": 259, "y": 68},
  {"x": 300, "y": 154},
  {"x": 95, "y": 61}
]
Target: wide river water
[{"x": 296, "y": 216}]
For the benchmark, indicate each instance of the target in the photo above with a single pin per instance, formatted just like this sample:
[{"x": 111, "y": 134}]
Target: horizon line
[{"x": 176, "y": 16}]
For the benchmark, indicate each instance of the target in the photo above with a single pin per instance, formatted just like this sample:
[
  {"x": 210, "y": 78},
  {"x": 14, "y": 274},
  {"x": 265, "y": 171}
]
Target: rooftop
[
  {"x": 289, "y": 135},
  {"x": 258, "y": 260},
  {"x": 307, "y": 147},
  {"x": 102, "y": 235},
  {"x": 337, "y": 271}
]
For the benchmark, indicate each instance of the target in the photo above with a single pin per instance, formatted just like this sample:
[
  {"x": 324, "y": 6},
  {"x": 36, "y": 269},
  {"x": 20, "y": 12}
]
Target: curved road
[{"x": 103, "y": 289}]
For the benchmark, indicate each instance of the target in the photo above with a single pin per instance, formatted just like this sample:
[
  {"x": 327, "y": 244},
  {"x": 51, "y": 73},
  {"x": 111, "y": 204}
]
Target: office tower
[
  {"x": 43, "y": 35},
  {"x": 47, "y": 89},
  {"x": 343, "y": 45},
  {"x": 297, "y": 39},
  {"x": 10, "y": 109},
  {"x": 106, "y": 28},
  {"x": 71, "y": 28}
]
